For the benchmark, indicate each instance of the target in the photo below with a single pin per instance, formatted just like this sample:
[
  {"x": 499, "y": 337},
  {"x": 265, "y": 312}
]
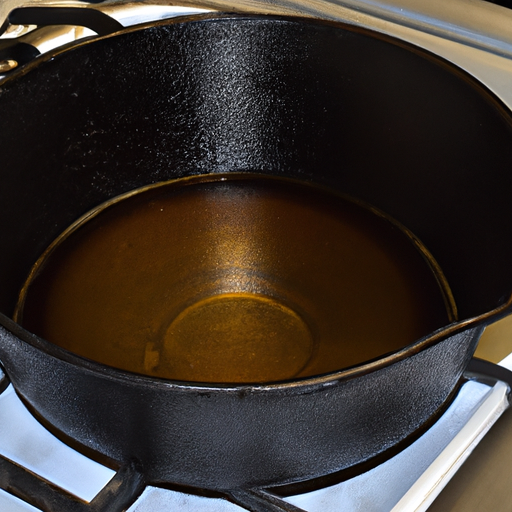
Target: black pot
[{"x": 348, "y": 109}]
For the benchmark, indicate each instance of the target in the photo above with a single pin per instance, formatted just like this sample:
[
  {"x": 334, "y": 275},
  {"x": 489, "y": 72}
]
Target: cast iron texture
[
  {"x": 378, "y": 120},
  {"x": 363, "y": 114},
  {"x": 238, "y": 437}
]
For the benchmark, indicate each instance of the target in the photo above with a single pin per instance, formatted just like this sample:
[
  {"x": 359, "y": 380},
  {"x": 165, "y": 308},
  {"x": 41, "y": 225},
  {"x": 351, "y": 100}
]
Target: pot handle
[
  {"x": 41, "y": 13},
  {"x": 259, "y": 500},
  {"x": 41, "y": 16},
  {"x": 15, "y": 53}
]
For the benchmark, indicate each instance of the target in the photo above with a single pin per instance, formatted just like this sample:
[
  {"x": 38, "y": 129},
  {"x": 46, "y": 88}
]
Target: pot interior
[
  {"x": 321, "y": 103},
  {"x": 234, "y": 278}
]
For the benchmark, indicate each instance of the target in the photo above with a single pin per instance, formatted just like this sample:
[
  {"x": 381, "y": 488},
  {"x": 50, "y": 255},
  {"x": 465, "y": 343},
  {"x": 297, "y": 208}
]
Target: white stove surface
[{"x": 410, "y": 481}]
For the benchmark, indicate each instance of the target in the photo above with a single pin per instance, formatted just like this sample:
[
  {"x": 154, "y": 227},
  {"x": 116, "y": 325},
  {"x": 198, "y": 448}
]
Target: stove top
[{"x": 38, "y": 470}]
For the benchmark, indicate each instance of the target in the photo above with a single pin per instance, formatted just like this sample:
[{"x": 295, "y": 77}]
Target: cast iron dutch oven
[{"x": 334, "y": 105}]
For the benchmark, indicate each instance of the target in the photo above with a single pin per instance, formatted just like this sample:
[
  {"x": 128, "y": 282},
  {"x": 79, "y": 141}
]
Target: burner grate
[
  {"x": 120, "y": 492},
  {"x": 409, "y": 481}
]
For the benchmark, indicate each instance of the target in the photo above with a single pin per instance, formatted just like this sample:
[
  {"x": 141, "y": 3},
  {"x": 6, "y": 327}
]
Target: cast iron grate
[
  {"x": 116, "y": 496},
  {"x": 126, "y": 489}
]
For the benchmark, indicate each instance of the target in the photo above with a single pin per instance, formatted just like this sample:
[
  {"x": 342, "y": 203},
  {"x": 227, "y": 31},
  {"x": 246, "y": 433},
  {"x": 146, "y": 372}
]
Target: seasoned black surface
[
  {"x": 240, "y": 436},
  {"x": 404, "y": 132}
]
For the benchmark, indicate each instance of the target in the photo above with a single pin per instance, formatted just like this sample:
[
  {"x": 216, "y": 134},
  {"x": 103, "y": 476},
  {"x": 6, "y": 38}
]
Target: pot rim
[{"x": 305, "y": 384}]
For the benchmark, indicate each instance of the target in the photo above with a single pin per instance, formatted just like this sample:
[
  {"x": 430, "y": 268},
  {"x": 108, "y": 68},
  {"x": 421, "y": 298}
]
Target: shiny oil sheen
[{"x": 233, "y": 279}]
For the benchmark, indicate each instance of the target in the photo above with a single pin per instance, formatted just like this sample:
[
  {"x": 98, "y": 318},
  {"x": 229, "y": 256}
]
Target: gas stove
[{"x": 41, "y": 473}]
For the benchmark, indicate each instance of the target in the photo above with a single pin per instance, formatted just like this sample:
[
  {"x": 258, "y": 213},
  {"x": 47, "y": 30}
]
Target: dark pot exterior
[{"x": 238, "y": 437}]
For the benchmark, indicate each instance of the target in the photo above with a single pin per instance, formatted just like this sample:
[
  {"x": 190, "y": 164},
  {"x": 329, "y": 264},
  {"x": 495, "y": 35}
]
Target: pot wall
[
  {"x": 236, "y": 437},
  {"x": 374, "y": 118}
]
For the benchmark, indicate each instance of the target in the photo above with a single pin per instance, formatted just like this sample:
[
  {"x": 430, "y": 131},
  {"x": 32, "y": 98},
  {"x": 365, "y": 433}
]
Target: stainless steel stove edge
[{"x": 472, "y": 34}]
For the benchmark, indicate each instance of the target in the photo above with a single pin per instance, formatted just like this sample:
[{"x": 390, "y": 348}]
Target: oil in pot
[{"x": 234, "y": 278}]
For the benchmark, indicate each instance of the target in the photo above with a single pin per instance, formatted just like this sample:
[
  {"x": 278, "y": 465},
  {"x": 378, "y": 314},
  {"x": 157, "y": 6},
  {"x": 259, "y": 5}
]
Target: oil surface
[{"x": 233, "y": 279}]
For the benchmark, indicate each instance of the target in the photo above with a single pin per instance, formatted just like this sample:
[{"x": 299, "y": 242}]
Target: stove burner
[{"x": 40, "y": 473}]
